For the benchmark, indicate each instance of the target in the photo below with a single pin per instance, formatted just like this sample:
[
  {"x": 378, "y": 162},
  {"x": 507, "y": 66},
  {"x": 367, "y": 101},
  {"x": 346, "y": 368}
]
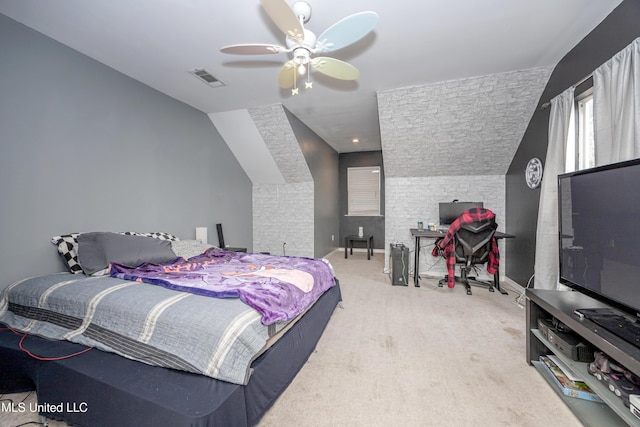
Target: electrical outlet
[{"x": 332, "y": 238}]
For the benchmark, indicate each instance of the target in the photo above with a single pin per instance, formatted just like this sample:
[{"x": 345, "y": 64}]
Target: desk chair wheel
[
  {"x": 443, "y": 281},
  {"x": 483, "y": 284}
]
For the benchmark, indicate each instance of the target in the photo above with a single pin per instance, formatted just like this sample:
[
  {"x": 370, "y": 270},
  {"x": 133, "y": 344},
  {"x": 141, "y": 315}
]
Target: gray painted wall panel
[
  {"x": 371, "y": 224},
  {"x": 323, "y": 165},
  {"x": 85, "y": 148},
  {"x": 612, "y": 35}
]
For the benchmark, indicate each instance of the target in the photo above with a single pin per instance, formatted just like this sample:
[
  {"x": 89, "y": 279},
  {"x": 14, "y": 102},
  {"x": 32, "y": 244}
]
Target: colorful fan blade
[
  {"x": 287, "y": 74},
  {"x": 282, "y": 15},
  {"x": 335, "y": 68},
  {"x": 253, "y": 49},
  {"x": 347, "y": 31}
]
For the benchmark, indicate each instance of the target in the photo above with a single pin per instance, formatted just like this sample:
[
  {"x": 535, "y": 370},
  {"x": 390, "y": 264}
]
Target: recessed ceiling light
[{"x": 355, "y": 140}]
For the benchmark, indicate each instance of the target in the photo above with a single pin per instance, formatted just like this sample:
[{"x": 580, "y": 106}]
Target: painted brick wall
[
  {"x": 451, "y": 140},
  {"x": 283, "y": 213},
  {"x": 409, "y": 200},
  {"x": 274, "y": 126},
  {"x": 465, "y": 127}
]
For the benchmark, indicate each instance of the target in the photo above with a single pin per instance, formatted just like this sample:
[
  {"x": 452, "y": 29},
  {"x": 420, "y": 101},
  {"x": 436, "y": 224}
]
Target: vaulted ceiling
[{"x": 414, "y": 42}]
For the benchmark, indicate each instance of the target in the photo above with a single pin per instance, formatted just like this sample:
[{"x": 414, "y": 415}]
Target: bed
[{"x": 166, "y": 332}]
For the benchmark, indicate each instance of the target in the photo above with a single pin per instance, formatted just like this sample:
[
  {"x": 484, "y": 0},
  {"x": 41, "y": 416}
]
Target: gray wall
[
  {"x": 372, "y": 224},
  {"x": 323, "y": 165},
  {"x": 85, "y": 148},
  {"x": 612, "y": 35}
]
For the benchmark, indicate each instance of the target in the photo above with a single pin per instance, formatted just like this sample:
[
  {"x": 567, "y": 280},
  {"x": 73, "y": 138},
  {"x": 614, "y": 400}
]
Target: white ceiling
[{"x": 415, "y": 41}]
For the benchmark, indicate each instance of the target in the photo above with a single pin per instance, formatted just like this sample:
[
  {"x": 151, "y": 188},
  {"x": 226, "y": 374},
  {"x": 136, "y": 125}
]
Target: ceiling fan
[{"x": 304, "y": 45}]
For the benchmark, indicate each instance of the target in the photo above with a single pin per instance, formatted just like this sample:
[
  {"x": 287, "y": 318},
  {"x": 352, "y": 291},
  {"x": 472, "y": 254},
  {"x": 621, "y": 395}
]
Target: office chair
[{"x": 474, "y": 242}]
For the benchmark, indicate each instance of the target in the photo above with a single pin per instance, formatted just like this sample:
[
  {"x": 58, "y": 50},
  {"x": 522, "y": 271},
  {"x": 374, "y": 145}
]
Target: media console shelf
[{"x": 561, "y": 305}]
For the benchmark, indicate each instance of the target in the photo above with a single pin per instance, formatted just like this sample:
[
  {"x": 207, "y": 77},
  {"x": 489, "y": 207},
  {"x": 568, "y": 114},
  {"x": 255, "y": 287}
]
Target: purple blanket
[{"x": 279, "y": 288}]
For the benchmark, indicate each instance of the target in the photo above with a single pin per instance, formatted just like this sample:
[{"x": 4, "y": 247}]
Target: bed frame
[{"x": 98, "y": 388}]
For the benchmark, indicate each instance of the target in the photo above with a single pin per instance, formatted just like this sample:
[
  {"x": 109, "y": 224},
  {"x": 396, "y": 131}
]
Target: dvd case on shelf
[{"x": 568, "y": 387}]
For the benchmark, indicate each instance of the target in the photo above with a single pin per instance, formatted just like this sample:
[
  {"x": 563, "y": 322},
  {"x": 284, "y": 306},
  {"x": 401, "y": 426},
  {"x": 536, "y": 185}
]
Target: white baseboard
[
  {"x": 514, "y": 285},
  {"x": 363, "y": 250},
  {"x": 375, "y": 251},
  {"x": 333, "y": 252}
]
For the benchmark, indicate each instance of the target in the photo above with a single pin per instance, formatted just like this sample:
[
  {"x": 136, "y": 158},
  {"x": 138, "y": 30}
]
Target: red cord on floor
[{"x": 21, "y": 345}]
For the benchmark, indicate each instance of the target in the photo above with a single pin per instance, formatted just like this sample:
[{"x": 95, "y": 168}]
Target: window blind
[{"x": 363, "y": 191}]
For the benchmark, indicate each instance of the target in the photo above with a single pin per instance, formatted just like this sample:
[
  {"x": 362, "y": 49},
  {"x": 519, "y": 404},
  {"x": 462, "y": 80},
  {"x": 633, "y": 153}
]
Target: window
[
  {"x": 586, "y": 150},
  {"x": 363, "y": 191},
  {"x": 580, "y": 146}
]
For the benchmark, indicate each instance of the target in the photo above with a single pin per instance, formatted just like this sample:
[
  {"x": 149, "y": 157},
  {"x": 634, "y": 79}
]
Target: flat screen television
[
  {"x": 448, "y": 212},
  {"x": 599, "y": 231}
]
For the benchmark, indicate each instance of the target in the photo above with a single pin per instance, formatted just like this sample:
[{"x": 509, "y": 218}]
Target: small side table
[{"x": 348, "y": 242}]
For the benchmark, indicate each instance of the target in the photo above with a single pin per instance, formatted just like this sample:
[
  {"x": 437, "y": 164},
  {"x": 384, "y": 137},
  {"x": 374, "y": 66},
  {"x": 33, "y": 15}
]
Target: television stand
[
  {"x": 562, "y": 305},
  {"x": 617, "y": 323}
]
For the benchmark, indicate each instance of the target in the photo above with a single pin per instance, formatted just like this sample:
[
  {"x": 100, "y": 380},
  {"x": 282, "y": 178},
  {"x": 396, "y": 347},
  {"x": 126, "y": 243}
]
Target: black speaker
[{"x": 220, "y": 237}]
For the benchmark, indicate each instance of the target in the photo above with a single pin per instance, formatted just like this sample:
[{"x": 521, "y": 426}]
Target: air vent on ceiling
[{"x": 206, "y": 77}]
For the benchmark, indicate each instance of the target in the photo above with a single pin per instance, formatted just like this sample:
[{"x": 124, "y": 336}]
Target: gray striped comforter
[{"x": 215, "y": 337}]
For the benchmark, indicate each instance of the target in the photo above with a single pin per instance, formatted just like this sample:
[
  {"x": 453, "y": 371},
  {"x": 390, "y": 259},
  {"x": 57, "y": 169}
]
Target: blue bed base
[{"x": 103, "y": 389}]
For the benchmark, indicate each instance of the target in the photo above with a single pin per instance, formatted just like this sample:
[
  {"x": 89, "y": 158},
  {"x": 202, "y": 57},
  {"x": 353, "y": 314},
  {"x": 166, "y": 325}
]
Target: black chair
[
  {"x": 473, "y": 243},
  {"x": 220, "y": 236},
  {"x": 221, "y": 241}
]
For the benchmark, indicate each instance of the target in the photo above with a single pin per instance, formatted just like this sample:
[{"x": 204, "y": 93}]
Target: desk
[
  {"x": 348, "y": 242},
  {"x": 418, "y": 234}
]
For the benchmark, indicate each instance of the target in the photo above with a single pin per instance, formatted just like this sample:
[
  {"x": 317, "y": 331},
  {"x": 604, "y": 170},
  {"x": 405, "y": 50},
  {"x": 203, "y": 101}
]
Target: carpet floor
[{"x": 418, "y": 356}]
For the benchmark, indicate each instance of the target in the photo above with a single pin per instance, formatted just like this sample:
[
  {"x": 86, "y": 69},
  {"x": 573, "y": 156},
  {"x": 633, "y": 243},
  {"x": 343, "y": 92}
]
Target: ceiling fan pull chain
[
  {"x": 294, "y": 91},
  {"x": 308, "y": 84}
]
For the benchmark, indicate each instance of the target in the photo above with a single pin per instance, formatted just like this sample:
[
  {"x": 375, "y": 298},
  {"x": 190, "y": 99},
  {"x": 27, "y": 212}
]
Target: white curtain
[
  {"x": 560, "y": 124},
  {"x": 616, "y": 103}
]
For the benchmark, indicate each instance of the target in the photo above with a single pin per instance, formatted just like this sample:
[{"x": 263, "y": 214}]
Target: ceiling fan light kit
[{"x": 303, "y": 44}]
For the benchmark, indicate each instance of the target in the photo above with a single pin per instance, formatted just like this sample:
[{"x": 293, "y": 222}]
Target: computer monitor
[{"x": 448, "y": 212}]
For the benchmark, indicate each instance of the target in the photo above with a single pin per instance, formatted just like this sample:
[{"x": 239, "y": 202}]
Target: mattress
[
  {"x": 156, "y": 324},
  {"x": 107, "y": 389}
]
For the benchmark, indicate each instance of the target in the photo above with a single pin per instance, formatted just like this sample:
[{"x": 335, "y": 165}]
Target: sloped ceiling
[
  {"x": 415, "y": 42},
  {"x": 458, "y": 127},
  {"x": 243, "y": 137},
  {"x": 278, "y": 136}
]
